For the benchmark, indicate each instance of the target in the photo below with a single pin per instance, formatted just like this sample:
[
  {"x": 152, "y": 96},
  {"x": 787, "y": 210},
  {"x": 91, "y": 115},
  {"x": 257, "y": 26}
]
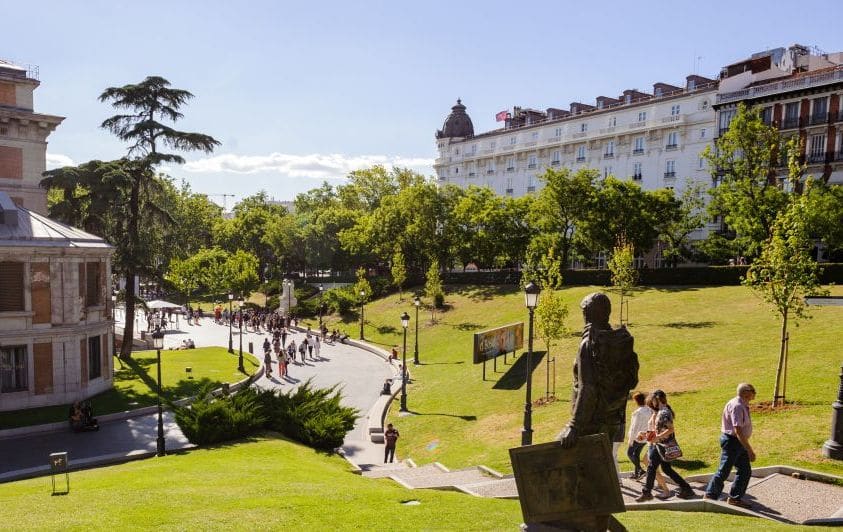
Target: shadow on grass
[
  {"x": 692, "y": 465},
  {"x": 387, "y": 329},
  {"x": 441, "y": 363},
  {"x": 690, "y": 324},
  {"x": 487, "y": 293},
  {"x": 467, "y": 326},
  {"x": 464, "y": 418},
  {"x": 516, "y": 376}
]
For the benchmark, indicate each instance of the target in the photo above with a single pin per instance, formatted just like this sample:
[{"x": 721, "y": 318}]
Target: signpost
[
  {"x": 496, "y": 342},
  {"x": 58, "y": 465}
]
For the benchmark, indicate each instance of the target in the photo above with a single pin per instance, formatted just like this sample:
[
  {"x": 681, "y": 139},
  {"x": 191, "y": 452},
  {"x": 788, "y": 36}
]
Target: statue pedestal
[{"x": 568, "y": 489}]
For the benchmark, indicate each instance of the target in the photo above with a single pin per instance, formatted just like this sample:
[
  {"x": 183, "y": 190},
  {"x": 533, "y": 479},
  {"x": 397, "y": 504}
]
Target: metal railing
[
  {"x": 790, "y": 122},
  {"x": 819, "y": 118},
  {"x": 818, "y": 158},
  {"x": 555, "y": 163},
  {"x": 637, "y": 177},
  {"x": 671, "y": 146},
  {"x": 580, "y": 159},
  {"x": 637, "y": 151},
  {"x": 608, "y": 155},
  {"x": 670, "y": 174},
  {"x": 804, "y": 82}
]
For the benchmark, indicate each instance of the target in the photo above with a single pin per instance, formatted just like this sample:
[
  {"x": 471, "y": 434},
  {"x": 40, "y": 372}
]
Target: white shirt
[{"x": 638, "y": 423}]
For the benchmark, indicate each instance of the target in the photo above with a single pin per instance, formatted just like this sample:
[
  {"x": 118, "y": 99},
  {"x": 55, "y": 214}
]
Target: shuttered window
[
  {"x": 11, "y": 286},
  {"x": 94, "y": 358},
  {"x": 13, "y": 369},
  {"x": 93, "y": 293}
]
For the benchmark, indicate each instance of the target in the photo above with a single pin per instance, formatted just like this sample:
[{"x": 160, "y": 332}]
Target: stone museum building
[{"x": 55, "y": 298}]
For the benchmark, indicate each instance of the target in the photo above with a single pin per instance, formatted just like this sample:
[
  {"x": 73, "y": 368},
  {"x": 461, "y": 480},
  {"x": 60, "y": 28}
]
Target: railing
[
  {"x": 671, "y": 146},
  {"x": 608, "y": 155},
  {"x": 637, "y": 177},
  {"x": 472, "y": 174},
  {"x": 790, "y": 122},
  {"x": 637, "y": 151},
  {"x": 670, "y": 174},
  {"x": 636, "y": 125},
  {"x": 510, "y": 169},
  {"x": 839, "y": 156},
  {"x": 817, "y": 158},
  {"x": 531, "y": 165},
  {"x": 671, "y": 118},
  {"x": 721, "y": 131},
  {"x": 530, "y": 144},
  {"x": 554, "y": 140},
  {"x": 555, "y": 163},
  {"x": 819, "y": 118},
  {"x": 579, "y": 134},
  {"x": 803, "y": 82},
  {"x": 580, "y": 159},
  {"x": 531, "y": 189},
  {"x": 490, "y": 171},
  {"x": 509, "y": 192}
]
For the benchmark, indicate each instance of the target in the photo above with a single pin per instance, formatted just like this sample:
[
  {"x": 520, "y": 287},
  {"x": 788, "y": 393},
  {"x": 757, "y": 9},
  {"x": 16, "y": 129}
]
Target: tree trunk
[
  {"x": 130, "y": 271},
  {"x": 780, "y": 367}
]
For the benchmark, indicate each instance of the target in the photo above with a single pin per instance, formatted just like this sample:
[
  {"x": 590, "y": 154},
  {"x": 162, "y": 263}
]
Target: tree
[
  {"x": 241, "y": 272},
  {"x": 362, "y": 285},
  {"x": 433, "y": 289},
  {"x": 744, "y": 162},
  {"x": 551, "y": 314},
  {"x": 622, "y": 266},
  {"x": 184, "y": 275},
  {"x": 785, "y": 273},
  {"x": 399, "y": 271},
  {"x": 148, "y": 102},
  {"x": 675, "y": 231}
]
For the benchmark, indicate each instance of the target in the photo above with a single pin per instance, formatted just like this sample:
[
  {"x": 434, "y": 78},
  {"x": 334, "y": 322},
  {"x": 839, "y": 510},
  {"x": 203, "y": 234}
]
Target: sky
[{"x": 304, "y": 92}]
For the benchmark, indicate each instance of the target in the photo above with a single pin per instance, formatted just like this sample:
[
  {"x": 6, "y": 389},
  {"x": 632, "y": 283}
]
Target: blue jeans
[
  {"x": 633, "y": 452},
  {"x": 732, "y": 454},
  {"x": 655, "y": 462}
]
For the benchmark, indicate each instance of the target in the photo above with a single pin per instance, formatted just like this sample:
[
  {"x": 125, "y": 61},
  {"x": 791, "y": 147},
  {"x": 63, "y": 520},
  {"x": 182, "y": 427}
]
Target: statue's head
[{"x": 596, "y": 308}]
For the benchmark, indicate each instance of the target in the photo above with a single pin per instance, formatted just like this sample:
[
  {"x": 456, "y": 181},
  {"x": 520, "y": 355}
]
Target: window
[
  {"x": 701, "y": 163},
  {"x": 642, "y": 116},
  {"x": 557, "y": 132},
  {"x": 791, "y": 115},
  {"x": 11, "y": 286},
  {"x": 672, "y": 140},
  {"x": 512, "y": 140},
  {"x": 510, "y": 164},
  {"x": 726, "y": 117},
  {"x": 613, "y": 121},
  {"x": 13, "y": 369},
  {"x": 531, "y": 161},
  {"x": 583, "y": 127},
  {"x": 555, "y": 159},
  {"x": 473, "y": 149},
  {"x": 607, "y": 171},
  {"x": 817, "y": 149},
  {"x": 94, "y": 358},
  {"x": 581, "y": 154},
  {"x": 456, "y": 169},
  {"x": 490, "y": 168},
  {"x": 636, "y": 171},
  {"x": 472, "y": 170},
  {"x": 492, "y": 145},
  {"x": 93, "y": 294},
  {"x": 639, "y": 146},
  {"x": 819, "y": 110},
  {"x": 456, "y": 151},
  {"x": 767, "y": 115},
  {"x": 702, "y": 133},
  {"x": 670, "y": 169},
  {"x": 509, "y": 189},
  {"x": 531, "y": 183},
  {"x": 610, "y": 150},
  {"x": 674, "y": 110}
]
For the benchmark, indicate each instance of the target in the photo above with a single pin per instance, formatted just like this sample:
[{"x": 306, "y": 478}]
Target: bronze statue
[{"x": 605, "y": 370}]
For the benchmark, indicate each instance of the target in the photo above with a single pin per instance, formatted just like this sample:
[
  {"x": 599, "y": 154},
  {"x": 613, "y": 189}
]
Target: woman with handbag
[{"x": 663, "y": 448}]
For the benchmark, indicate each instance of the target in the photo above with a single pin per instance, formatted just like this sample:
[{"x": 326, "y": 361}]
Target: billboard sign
[{"x": 495, "y": 342}]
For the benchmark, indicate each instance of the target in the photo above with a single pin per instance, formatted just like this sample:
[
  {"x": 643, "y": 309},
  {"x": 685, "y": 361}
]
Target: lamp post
[
  {"x": 289, "y": 284},
  {"x": 266, "y": 294},
  {"x": 230, "y": 320},
  {"x": 321, "y": 288},
  {"x": 158, "y": 344},
  {"x": 113, "y": 324},
  {"x": 362, "y": 301},
  {"x": 240, "y": 358},
  {"x": 417, "y": 303},
  {"x": 405, "y": 321},
  {"x": 531, "y": 295}
]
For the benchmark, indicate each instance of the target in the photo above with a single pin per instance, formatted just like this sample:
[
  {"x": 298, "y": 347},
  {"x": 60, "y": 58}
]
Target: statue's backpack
[{"x": 617, "y": 368}]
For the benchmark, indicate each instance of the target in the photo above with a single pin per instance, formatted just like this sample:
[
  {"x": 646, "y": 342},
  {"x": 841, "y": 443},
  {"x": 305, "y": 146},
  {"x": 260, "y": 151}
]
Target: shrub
[{"x": 212, "y": 420}]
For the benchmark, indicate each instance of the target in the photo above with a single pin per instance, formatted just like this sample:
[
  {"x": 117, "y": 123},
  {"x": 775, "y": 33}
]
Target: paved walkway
[{"x": 359, "y": 373}]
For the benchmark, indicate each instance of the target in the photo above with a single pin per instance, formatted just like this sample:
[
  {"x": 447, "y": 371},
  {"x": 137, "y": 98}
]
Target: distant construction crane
[{"x": 224, "y": 202}]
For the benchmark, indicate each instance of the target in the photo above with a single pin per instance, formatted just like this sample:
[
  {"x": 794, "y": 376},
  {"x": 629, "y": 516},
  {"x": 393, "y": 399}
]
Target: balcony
[
  {"x": 637, "y": 177},
  {"x": 636, "y": 125},
  {"x": 816, "y": 80},
  {"x": 580, "y": 159},
  {"x": 608, "y": 155},
  {"x": 531, "y": 166},
  {"x": 531, "y": 189},
  {"x": 555, "y": 163},
  {"x": 790, "y": 122},
  {"x": 638, "y": 151},
  {"x": 509, "y": 192},
  {"x": 668, "y": 175},
  {"x": 722, "y": 131},
  {"x": 817, "y": 158},
  {"x": 510, "y": 168},
  {"x": 819, "y": 118},
  {"x": 671, "y": 147},
  {"x": 490, "y": 171},
  {"x": 472, "y": 174}
]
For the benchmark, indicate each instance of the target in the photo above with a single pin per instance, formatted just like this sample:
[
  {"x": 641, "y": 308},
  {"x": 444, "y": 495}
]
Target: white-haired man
[{"x": 736, "y": 451}]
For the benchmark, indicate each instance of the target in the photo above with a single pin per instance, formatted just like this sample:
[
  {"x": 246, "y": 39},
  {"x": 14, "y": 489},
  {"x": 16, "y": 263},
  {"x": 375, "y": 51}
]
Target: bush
[
  {"x": 212, "y": 420},
  {"x": 439, "y": 300}
]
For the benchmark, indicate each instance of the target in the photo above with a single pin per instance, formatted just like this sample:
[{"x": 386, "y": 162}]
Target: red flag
[{"x": 502, "y": 116}]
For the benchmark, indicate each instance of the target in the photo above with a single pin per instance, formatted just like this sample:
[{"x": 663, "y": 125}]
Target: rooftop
[{"x": 20, "y": 227}]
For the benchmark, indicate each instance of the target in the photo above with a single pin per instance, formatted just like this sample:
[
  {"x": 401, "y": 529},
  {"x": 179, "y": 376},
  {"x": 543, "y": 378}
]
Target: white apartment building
[{"x": 655, "y": 139}]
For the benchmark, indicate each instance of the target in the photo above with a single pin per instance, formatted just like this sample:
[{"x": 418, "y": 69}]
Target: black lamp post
[
  {"x": 321, "y": 288},
  {"x": 833, "y": 447},
  {"x": 240, "y": 321},
  {"x": 405, "y": 321},
  {"x": 266, "y": 294},
  {"x": 289, "y": 284},
  {"x": 113, "y": 324},
  {"x": 531, "y": 294},
  {"x": 230, "y": 320},
  {"x": 417, "y": 303},
  {"x": 158, "y": 344},
  {"x": 362, "y": 301}
]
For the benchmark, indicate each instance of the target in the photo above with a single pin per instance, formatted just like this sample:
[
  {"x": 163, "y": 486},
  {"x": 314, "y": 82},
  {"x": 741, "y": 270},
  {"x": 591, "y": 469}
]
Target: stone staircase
[{"x": 478, "y": 481}]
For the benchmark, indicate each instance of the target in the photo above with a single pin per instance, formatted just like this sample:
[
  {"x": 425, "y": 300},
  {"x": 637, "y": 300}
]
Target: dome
[{"x": 458, "y": 124}]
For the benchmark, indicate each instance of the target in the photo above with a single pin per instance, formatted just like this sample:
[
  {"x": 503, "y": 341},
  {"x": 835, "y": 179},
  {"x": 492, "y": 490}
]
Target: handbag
[{"x": 669, "y": 450}]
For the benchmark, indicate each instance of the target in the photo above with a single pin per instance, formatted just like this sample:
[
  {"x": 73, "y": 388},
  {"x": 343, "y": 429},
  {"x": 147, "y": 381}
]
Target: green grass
[
  {"x": 135, "y": 382},
  {"x": 695, "y": 343},
  {"x": 274, "y": 484}
]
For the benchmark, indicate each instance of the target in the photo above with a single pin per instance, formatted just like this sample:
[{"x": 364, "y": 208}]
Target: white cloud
[
  {"x": 317, "y": 166},
  {"x": 57, "y": 160}
]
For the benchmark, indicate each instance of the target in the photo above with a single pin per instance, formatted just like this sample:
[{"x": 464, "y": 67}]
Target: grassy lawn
[
  {"x": 135, "y": 382},
  {"x": 695, "y": 343},
  {"x": 273, "y": 484}
]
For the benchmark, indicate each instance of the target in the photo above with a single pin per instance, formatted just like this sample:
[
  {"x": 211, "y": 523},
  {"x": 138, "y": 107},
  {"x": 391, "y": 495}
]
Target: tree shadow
[
  {"x": 487, "y": 293},
  {"x": 691, "y": 465},
  {"x": 441, "y": 363},
  {"x": 463, "y": 417},
  {"x": 690, "y": 324},
  {"x": 516, "y": 376},
  {"x": 467, "y": 326},
  {"x": 387, "y": 329}
]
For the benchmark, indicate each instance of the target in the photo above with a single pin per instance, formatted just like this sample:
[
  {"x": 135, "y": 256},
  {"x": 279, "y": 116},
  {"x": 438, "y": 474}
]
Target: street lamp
[
  {"x": 113, "y": 323},
  {"x": 405, "y": 321},
  {"x": 158, "y": 344},
  {"x": 289, "y": 285},
  {"x": 362, "y": 300},
  {"x": 230, "y": 320},
  {"x": 266, "y": 294},
  {"x": 240, "y": 359},
  {"x": 321, "y": 288},
  {"x": 417, "y": 303},
  {"x": 531, "y": 295}
]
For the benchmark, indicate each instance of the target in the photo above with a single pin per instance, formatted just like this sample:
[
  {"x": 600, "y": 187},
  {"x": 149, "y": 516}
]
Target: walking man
[
  {"x": 736, "y": 427},
  {"x": 390, "y": 437}
]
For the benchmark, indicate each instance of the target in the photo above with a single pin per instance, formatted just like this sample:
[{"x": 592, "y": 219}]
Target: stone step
[
  {"x": 442, "y": 479},
  {"x": 503, "y": 488},
  {"x": 388, "y": 470}
]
